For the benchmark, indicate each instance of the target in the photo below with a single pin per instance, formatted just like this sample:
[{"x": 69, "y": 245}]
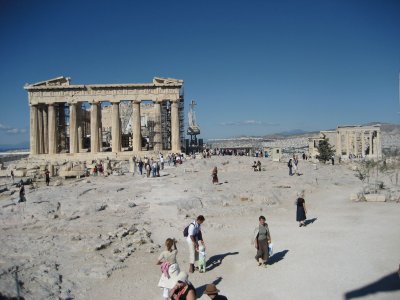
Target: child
[{"x": 202, "y": 259}]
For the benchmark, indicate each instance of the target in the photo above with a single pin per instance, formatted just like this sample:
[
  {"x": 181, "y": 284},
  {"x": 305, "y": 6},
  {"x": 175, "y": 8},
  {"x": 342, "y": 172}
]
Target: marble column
[
  {"x": 175, "y": 138},
  {"x": 371, "y": 146},
  {"x": 40, "y": 129},
  {"x": 73, "y": 129},
  {"x": 52, "y": 131},
  {"x": 80, "y": 139},
  {"x": 362, "y": 144},
  {"x": 355, "y": 143},
  {"x": 100, "y": 128},
  {"x": 157, "y": 141},
  {"x": 115, "y": 130},
  {"x": 378, "y": 144},
  {"x": 136, "y": 127},
  {"x": 34, "y": 141},
  {"x": 347, "y": 144},
  {"x": 339, "y": 144},
  {"x": 45, "y": 131},
  {"x": 94, "y": 128}
]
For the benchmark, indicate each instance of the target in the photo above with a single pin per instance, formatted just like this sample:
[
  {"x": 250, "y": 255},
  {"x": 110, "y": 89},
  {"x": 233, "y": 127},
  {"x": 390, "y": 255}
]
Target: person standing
[
  {"x": 262, "y": 239},
  {"x": 148, "y": 170},
  {"x": 193, "y": 238},
  {"x": 169, "y": 265},
  {"x": 212, "y": 292},
  {"x": 295, "y": 162},
  {"x": 140, "y": 165},
  {"x": 290, "y": 166},
  {"x": 162, "y": 161},
  {"x": 22, "y": 193},
  {"x": 12, "y": 175},
  {"x": 47, "y": 175},
  {"x": 301, "y": 210},
  {"x": 214, "y": 175}
]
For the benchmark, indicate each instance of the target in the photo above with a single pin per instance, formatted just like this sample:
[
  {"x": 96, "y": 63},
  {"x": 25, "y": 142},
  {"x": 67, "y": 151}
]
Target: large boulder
[{"x": 375, "y": 198}]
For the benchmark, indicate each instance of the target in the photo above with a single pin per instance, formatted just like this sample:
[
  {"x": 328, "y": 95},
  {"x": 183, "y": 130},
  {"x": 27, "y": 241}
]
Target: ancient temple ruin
[
  {"x": 99, "y": 120},
  {"x": 351, "y": 141}
]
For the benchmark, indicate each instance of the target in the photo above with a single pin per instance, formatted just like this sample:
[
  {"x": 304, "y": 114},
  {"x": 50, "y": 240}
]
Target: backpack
[{"x": 186, "y": 230}]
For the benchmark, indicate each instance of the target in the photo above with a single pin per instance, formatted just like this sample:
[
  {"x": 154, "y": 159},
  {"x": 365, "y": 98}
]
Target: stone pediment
[
  {"x": 58, "y": 81},
  {"x": 167, "y": 81}
]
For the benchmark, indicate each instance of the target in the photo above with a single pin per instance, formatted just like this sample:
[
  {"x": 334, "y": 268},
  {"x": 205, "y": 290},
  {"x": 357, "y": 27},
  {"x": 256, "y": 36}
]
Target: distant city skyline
[{"x": 254, "y": 68}]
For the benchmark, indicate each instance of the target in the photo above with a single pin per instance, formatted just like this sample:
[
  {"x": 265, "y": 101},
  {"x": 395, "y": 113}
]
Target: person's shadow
[
  {"x": 389, "y": 283},
  {"x": 216, "y": 260},
  {"x": 311, "y": 221},
  {"x": 277, "y": 257},
  {"x": 200, "y": 290}
]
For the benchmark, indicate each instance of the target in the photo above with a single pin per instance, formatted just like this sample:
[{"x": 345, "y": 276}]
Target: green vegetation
[{"x": 325, "y": 150}]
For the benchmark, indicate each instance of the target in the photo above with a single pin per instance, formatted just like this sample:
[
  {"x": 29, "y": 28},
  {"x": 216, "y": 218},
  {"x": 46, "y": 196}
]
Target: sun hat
[
  {"x": 211, "y": 289},
  {"x": 182, "y": 276},
  {"x": 173, "y": 272}
]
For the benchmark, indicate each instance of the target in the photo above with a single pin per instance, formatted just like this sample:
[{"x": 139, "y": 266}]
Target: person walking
[
  {"x": 290, "y": 166},
  {"x": 162, "y": 162},
  {"x": 295, "y": 163},
  {"x": 193, "y": 238},
  {"x": 140, "y": 165},
  {"x": 212, "y": 292},
  {"x": 22, "y": 193},
  {"x": 169, "y": 265},
  {"x": 262, "y": 239},
  {"x": 47, "y": 175},
  {"x": 301, "y": 210},
  {"x": 214, "y": 175}
]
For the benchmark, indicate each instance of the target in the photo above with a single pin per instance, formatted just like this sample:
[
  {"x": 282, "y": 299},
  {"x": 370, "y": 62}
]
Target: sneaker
[{"x": 259, "y": 264}]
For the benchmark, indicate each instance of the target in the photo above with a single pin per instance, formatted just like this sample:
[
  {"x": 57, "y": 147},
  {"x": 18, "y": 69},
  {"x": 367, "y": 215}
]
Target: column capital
[{"x": 175, "y": 100}]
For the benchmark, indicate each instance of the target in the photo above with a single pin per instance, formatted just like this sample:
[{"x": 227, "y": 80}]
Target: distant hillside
[
  {"x": 386, "y": 128},
  {"x": 13, "y": 147}
]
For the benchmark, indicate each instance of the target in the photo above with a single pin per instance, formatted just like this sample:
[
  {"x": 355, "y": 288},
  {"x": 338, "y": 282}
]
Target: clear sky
[{"x": 254, "y": 67}]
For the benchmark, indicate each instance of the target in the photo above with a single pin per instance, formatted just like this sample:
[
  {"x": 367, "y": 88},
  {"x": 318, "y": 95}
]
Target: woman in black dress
[
  {"x": 301, "y": 210},
  {"x": 214, "y": 175}
]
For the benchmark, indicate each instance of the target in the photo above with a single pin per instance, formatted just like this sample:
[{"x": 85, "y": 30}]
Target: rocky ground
[{"x": 98, "y": 238}]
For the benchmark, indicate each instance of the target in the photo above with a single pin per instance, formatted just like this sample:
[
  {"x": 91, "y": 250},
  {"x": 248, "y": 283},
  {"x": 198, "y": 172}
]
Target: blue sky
[{"x": 254, "y": 67}]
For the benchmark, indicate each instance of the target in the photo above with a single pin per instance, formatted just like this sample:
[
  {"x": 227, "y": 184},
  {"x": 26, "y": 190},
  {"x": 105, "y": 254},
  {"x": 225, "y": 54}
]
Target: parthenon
[{"x": 66, "y": 119}]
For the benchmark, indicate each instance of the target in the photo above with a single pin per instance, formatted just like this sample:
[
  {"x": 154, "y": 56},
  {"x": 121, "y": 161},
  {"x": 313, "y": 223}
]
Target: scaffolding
[
  {"x": 166, "y": 125},
  {"x": 62, "y": 119}
]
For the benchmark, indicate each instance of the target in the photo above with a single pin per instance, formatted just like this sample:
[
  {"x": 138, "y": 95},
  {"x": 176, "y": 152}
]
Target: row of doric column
[
  {"x": 43, "y": 128},
  {"x": 352, "y": 147}
]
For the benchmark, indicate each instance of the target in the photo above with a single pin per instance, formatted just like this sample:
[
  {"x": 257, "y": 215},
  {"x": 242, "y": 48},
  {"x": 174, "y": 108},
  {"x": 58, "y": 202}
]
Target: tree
[{"x": 325, "y": 150}]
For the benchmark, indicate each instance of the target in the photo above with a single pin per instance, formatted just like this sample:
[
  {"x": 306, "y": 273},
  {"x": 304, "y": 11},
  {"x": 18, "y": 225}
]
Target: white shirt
[{"x": 194, "y": 229}]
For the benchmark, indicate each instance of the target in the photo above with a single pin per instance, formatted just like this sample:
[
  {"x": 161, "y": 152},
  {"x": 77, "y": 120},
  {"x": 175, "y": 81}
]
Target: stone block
[
  {"x": 375, "y": 198},
  {"x": 72, "y": 173},
  {"x": 31, "y": 173},
  {"x": 20, "y": 173}
]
